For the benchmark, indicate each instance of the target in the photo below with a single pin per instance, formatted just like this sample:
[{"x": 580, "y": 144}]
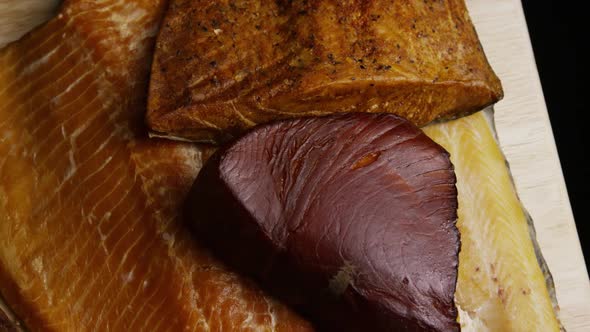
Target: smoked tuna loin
[
  {"x": 350, "y": 218},
  {"x": 223, "y": 66},
  {"x": 501, "y": 286},
  {"x": 91, "y": 237}
]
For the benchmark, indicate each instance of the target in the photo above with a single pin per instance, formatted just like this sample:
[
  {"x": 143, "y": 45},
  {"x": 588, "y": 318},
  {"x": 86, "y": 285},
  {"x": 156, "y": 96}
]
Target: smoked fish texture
[
  {"x": 504, "y": 283},
  {"x": 91, "y": 236},
  {"x": 221, "y": 67},
  {"x": 90, "y": 231}
]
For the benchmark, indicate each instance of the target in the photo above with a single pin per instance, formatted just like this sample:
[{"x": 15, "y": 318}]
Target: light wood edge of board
[{"x": 526, "y": 139}]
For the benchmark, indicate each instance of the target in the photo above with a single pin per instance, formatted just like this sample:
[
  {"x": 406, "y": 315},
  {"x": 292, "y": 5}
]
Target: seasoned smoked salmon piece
[
  {"x": 91, "y": 236},
  {"x": 223, "y": 66}
]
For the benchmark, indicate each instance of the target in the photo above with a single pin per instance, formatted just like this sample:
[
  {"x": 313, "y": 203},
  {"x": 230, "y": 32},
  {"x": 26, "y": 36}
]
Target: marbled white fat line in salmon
[{"x": 90, "y": 232}]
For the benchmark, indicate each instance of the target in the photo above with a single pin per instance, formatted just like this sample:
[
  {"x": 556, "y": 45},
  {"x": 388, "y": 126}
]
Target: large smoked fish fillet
[
  {"x": 90, "y": 237},
  {"x": 90, "y": 234},
  {"x": 223, "y": 66}
]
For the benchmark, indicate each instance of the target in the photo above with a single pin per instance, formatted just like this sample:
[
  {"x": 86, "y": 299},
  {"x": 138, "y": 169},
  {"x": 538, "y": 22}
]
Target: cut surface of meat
[
  {"x": 223, "y": 66},
  {"x": 90, "y": 233},
  {"x": 91, "y": 64},
  {"x": 350, "y": 218}
]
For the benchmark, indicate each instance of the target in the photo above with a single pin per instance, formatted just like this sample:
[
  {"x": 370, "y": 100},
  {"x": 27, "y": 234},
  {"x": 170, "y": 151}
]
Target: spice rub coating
[{"x": 224, "y": 66}]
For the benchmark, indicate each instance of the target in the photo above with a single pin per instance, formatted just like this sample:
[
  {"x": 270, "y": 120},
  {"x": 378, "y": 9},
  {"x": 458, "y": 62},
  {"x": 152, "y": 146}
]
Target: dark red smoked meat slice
[{"x": 349, "y": 218}]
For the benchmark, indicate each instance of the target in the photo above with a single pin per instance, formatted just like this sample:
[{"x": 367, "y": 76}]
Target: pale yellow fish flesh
[
  {"x": 501, "y": 286},
  {"x": 91, "y": 236}
]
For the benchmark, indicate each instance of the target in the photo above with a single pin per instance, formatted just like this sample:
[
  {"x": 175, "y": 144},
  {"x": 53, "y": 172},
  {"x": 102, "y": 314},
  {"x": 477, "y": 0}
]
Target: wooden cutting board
[
  {"x": 527, "y": 140},
  {"x": 523, "y": 128}
]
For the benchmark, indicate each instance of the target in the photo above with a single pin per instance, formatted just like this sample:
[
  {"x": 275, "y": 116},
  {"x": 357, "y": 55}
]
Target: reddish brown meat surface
[{"x": 350, "y": 218}]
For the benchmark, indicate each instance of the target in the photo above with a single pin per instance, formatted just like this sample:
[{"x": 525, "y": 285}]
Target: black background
[{"x": 558, "y": 38}]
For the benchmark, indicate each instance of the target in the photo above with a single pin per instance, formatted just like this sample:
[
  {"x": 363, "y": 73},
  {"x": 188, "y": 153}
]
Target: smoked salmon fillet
[
  {"x": 221, "y": 67},
  {"x": 90, "y": 232},
  {"x": 91, "y": 237}
]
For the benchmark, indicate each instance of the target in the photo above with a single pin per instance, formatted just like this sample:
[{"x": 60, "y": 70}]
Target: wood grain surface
[
  {"x": 523, "y": 127},
  {"x": 527, "y": 140}
]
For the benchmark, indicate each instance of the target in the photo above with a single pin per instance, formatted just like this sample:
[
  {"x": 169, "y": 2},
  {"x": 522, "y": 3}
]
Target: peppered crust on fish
[
  {"x": 90, "y": 232},
  {"x": 223, "y": 66}
]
